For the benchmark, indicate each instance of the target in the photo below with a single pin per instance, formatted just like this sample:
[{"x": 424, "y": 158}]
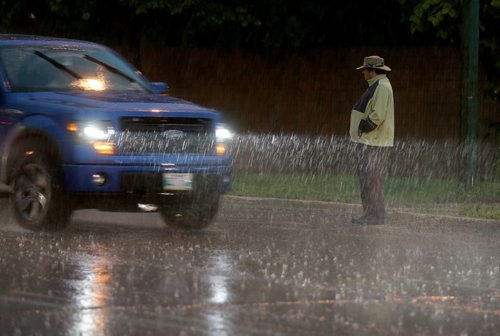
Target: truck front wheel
[
  {"x": 192, "y": 212},
  {"x": 38, "y": 198}
]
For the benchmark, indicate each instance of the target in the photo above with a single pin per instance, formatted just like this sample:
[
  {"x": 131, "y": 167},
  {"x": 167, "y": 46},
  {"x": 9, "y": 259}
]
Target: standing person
[{"x": 372, "y": 131}]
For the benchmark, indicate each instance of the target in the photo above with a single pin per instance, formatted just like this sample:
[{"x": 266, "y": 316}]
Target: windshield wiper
[
  {"x": 57, "y": 64},
  {"x": 114, "y": 70}
]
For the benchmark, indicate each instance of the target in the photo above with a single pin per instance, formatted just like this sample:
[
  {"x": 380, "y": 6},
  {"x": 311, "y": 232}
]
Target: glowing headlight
[
  {"x": 222, "y": 137},
  {"x": 99, "y": 134},
  {"x": 102, "y": 130},
  {"x": 222, "y": 133}
]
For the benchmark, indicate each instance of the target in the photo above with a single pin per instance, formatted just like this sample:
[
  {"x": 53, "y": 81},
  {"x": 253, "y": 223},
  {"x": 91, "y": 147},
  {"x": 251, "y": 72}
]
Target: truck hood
[{"x": 130, "y": 101}]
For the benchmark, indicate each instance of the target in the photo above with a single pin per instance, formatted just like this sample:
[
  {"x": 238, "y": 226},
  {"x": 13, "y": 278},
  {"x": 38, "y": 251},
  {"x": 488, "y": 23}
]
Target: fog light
[{"x": 99, "y": 179}]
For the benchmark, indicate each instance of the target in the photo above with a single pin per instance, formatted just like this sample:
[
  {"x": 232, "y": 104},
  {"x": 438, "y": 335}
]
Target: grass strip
[{"x": 422, "y": 194}]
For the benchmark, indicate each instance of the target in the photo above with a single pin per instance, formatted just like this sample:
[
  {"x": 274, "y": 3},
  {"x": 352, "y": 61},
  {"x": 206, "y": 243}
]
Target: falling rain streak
[
  {"x": 157, "y": 142},
  {"x": 271, "y": 153}
]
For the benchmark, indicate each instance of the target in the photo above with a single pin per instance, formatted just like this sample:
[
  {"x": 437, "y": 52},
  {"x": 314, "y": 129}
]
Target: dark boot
[{"x": 370, "y": 219}]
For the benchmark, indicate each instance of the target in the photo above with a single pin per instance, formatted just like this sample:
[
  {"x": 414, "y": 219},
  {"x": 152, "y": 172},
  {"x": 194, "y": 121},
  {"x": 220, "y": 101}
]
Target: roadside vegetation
[{"x": 424, "y": 195}]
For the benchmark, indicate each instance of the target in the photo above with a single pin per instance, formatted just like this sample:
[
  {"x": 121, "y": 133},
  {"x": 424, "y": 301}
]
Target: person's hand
[{"x": 366, "y": 126}]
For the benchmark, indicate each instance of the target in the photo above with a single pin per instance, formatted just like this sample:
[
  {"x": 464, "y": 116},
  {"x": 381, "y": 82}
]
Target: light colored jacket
[{"x": 376, "y": 103}]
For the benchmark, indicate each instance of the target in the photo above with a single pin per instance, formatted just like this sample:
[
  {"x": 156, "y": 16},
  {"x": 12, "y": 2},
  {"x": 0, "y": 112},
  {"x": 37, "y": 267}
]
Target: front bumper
[{"x": 138, "y": 178}]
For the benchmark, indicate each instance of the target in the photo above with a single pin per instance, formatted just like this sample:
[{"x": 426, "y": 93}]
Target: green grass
[
  {"x": 422, "y": 194},
  {"x": 481, "y": 211},
  {"x": 307, "y": 186}
]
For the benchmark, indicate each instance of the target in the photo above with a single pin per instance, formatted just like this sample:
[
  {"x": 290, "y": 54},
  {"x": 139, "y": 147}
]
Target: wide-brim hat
[{"x": 374, "y": 62}]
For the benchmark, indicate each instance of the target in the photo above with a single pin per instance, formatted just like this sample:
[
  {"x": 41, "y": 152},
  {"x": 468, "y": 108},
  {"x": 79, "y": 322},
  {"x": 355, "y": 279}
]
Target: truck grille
[{"x": 165, "y": 135}]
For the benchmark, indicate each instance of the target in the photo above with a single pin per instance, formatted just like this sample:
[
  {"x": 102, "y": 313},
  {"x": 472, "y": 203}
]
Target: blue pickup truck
[{"x": 81, "y": 128}]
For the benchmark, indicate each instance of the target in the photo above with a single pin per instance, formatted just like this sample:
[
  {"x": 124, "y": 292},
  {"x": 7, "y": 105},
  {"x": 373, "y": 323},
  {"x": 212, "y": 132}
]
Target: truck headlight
[
  {"x": 100, "y": 134},
  {"x": 222, "y": 133},
  {"x": 222, "y": 136}
]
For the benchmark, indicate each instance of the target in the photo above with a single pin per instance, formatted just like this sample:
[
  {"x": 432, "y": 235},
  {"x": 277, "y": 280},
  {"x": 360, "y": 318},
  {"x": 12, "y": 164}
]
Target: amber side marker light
[{"x": 72, "y": 127}]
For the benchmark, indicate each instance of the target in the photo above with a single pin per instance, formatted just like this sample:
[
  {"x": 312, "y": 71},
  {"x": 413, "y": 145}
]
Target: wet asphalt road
[{"x": 263, "y": 268}]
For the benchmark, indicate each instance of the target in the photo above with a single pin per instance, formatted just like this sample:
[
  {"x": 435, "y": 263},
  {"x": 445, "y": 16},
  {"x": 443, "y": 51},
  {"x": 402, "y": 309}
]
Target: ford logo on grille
[{"x": 173, "y": 134}]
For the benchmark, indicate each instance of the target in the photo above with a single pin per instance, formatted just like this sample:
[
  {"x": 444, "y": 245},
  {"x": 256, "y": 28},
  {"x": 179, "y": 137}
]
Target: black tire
[
  {"x": 193, "y": 212},
  {"x": 38, "y": 200}
]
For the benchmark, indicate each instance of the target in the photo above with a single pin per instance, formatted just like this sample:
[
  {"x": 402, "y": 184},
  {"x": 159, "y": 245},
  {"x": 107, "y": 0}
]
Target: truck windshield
[{"x": 42, "y": 68}]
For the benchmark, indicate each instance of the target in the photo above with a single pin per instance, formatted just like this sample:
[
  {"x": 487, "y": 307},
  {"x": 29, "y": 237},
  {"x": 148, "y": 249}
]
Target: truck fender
[{"x": 34, "y": 126}]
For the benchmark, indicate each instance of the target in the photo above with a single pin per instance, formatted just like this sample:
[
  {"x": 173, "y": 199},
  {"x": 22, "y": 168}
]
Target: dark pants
[{"x": 371, "y": 169}]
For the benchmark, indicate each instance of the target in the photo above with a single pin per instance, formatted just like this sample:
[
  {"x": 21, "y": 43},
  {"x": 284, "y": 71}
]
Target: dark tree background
[{"x": 259, "y": 25}]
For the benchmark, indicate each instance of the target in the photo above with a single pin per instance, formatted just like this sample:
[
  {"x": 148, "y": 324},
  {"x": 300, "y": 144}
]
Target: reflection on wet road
[{"x": 264, "y": 267}]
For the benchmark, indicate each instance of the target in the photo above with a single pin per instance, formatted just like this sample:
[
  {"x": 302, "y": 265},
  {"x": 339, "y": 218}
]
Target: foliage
[
  {"x": 242, "y": 23},
  {"x": 259, "y": 24},
  {"x": 444, "y": 18},
  {"x": 439, "y": 15}
]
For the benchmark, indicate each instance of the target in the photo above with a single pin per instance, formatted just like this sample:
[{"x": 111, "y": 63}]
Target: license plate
[{"x": 177, "y": 181}]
